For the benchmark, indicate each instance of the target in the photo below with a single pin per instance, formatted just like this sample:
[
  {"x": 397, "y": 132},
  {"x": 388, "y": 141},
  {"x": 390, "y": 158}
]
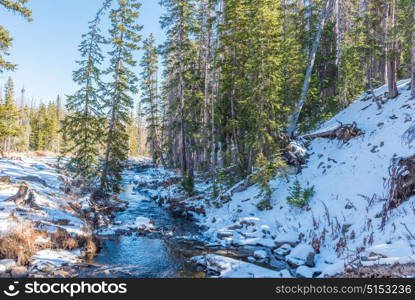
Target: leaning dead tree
[
  {"x": 310, "y": 65},
  {"x": 343, "y": 132}
]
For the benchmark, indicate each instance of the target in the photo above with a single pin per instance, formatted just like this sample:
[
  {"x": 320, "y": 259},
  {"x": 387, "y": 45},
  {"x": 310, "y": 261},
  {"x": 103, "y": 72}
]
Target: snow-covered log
[{"x": 343, "y": 132}]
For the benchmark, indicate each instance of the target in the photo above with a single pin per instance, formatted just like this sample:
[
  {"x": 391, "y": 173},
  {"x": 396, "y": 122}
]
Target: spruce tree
[
  {"x": 9, "y": 117},
  {"x": 51, "y": 127},
  {"x": 179, "y": 53},
  {"x": 15, "y": 6},
  {"x": 252, "y": 105},
  {"x": 149, "y": 96},
  {"x": 125, "y": 37},
  {"x": 83, "y": 124}
]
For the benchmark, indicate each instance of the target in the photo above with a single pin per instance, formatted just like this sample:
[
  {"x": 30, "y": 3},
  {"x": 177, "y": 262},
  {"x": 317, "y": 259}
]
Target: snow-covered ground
[
  {"x": 342, "y": 224},
  {"x": 49, "y": 209}
]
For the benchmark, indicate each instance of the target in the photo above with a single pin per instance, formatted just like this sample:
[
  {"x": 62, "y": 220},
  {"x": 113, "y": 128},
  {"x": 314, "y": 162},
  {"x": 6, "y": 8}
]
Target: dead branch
[{"x": 401, "y": 184}]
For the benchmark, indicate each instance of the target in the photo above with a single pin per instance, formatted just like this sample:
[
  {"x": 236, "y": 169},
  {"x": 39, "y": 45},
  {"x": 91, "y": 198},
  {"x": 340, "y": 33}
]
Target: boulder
[
  {"x": 61, "y": 274},
  {"x": 224, "y": 234},
  {"x": 45, "y": 267},
  {"x": 19, "y": 272},
  {"x": 251, "y": 259},
  {"x": 302, "y": 254},
  {"x": 260, "y": 254},
  {"x": 283, "y": 250}
]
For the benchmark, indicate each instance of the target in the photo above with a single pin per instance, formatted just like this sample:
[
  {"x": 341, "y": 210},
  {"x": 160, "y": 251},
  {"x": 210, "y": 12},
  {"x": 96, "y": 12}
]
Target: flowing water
[{"x": 155, "y": 256}]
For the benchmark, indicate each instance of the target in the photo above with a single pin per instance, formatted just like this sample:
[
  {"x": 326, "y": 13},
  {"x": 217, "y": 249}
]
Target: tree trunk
[
  {"x": 207, "y": 74},
  {"x": 183, "y": 156},
  {"x": 391, "y": 63},
  {"x": 311, "y": 60}
]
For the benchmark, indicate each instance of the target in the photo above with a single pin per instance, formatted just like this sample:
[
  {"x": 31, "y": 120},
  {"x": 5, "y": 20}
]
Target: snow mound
[{"x": 143, "y": 223}]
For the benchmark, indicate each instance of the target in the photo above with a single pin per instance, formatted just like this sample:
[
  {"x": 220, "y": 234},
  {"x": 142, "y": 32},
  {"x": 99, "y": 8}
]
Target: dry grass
[
  {"x": 21, "y": 244},
  {"x": 61, "y": 239}
]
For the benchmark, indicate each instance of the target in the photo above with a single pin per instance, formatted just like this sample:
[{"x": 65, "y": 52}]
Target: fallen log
[{"x": 343, "y": 132}]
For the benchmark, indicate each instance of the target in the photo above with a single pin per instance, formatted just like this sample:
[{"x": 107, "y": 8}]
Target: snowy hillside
[
  {"x": 47, "y": 220},
  {"x": 342, "y": 224}
]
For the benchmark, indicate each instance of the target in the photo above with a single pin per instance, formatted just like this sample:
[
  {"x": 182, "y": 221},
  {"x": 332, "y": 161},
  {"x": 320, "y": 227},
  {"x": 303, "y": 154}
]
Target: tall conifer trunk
[{"x": 391, "y": 49}]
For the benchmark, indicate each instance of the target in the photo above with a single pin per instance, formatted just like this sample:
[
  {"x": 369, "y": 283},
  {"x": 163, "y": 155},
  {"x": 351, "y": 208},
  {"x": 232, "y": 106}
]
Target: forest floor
[{"x": 349, "y": 227}]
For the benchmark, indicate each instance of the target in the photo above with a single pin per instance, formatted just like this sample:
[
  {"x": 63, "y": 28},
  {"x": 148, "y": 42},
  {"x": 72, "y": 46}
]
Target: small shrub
[
  {"x": 266, "y": 170},
  {"x": 300, "y": 197},
  {"x": 227, "y": 176},
  {"x": 61, "y": 239},
  {"x": 264, "y": 205},
  {"x": 20, "y": 245},
  {"x": 188, "y": 184}
]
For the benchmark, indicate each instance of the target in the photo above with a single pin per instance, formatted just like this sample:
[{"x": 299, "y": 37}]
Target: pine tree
[
  {"x": 9, "y": 116},
  {"x": 19, "y": 7},
  {"x": 150, "y": 97},
  {"x": 51, "y": 125},
  {"x": 39, "y": 125},
  {"x": 124, "y": 41},
  {"x": 252, "y": 108},
  {"x": 179, "y": 54},
  {"x": 204, "y": 39},
  {"x": 133, "y": 137},
  {"x": 83, "y": 125}
]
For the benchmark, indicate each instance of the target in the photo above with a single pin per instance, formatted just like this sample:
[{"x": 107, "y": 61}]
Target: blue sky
[{"x": 46, "y": 49}]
